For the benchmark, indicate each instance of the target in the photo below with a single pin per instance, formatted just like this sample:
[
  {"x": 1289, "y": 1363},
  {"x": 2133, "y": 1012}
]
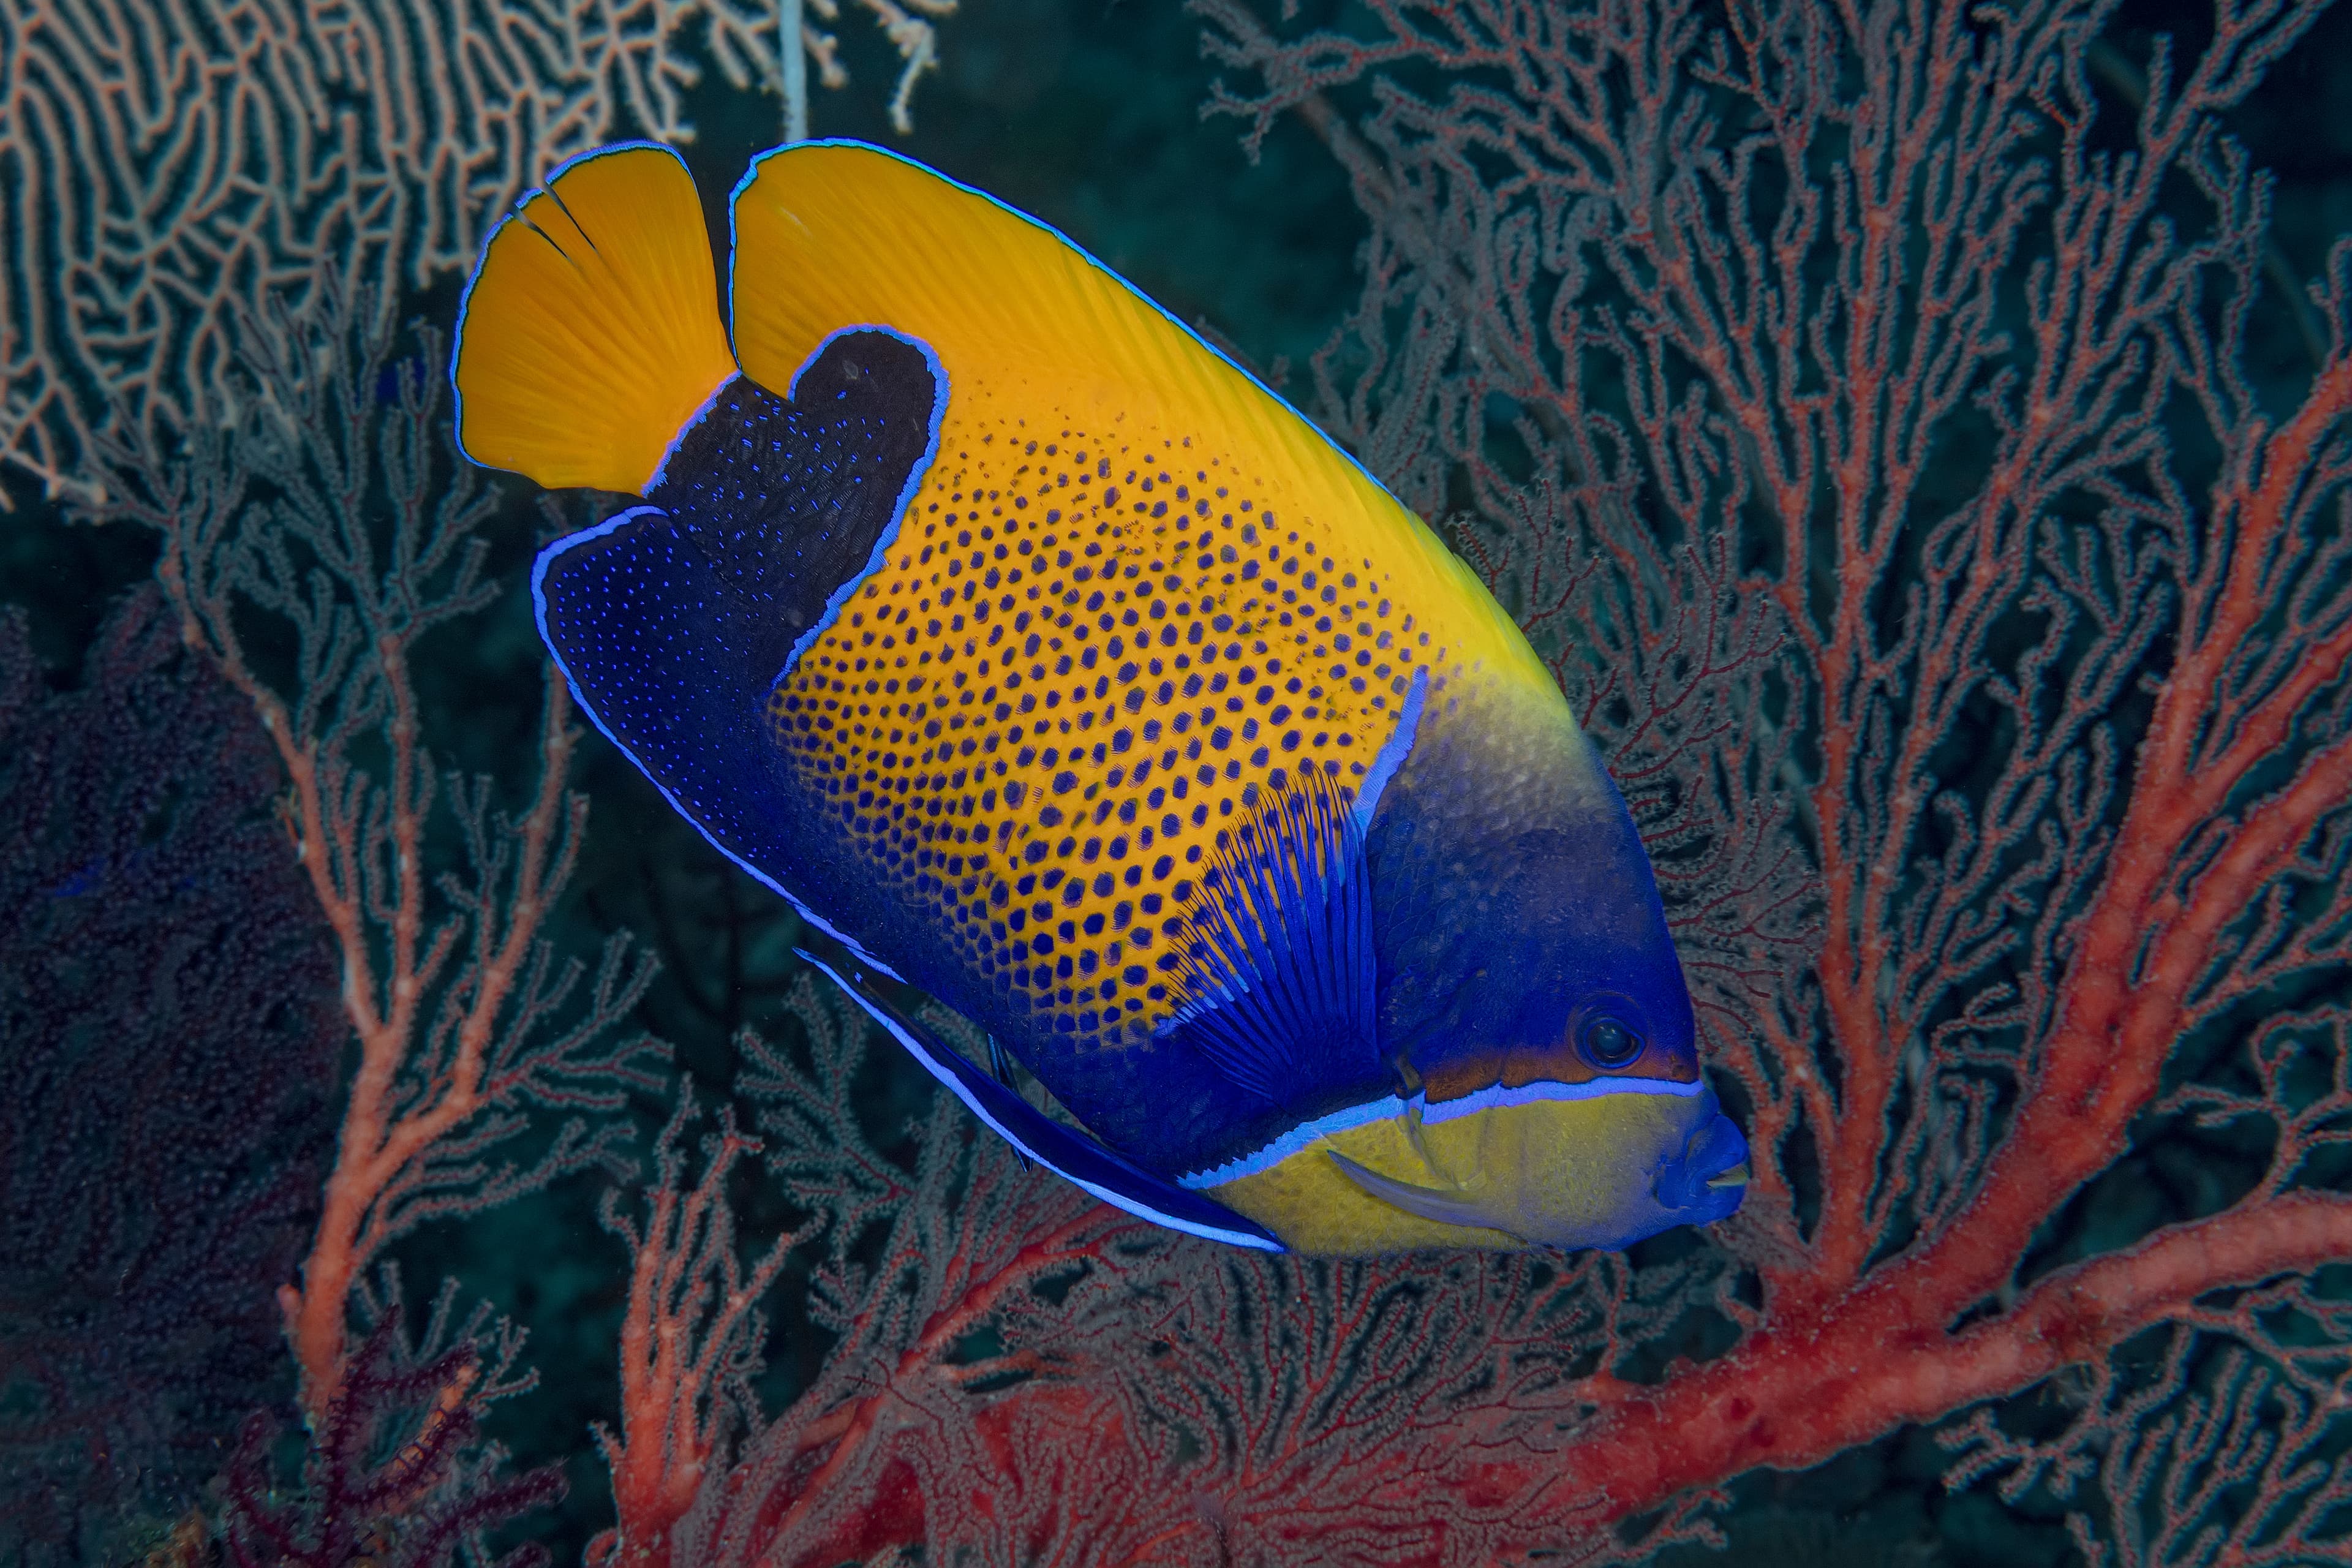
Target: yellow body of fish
[{"x": 1059, "y": 670}]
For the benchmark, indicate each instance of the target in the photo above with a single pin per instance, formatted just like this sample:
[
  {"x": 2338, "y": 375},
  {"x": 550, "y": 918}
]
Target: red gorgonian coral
[{"x": 1854, "y": 406}]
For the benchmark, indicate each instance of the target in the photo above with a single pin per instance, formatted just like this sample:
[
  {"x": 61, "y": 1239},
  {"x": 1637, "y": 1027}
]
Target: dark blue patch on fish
[
  {"x": 793, "y": 500},
  {"x": 673, "y": 622},
  {"x": 1529, "y": 847}
]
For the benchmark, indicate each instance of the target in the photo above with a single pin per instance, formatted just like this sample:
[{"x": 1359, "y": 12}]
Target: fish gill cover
[{"x": 1937, "y": 516}]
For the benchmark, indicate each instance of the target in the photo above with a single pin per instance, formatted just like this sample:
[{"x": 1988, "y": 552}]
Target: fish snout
[
  {"x": 1709, "y": 1175},
  {"x": 1602, "y": 1171}
]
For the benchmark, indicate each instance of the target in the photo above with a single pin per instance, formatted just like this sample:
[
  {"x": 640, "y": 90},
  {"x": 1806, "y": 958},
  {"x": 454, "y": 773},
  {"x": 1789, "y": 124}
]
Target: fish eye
[{"x": 1608, "y": 1042}]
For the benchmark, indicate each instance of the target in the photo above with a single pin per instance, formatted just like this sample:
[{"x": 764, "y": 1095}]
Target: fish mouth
[{"x": 1711, "y": 1172}]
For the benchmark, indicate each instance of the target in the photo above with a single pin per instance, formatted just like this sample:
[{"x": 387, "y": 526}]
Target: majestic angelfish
[{"x": 1055, "y": 668}]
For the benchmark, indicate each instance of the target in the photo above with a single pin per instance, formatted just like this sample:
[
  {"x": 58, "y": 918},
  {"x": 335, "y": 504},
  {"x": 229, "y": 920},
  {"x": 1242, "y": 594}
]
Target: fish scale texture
[{"x": 1088, "y": 653}]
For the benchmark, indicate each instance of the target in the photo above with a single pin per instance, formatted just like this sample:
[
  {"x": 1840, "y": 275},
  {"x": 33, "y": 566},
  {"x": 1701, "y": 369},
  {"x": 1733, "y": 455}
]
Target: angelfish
[{"x": 1054, "y": 668}]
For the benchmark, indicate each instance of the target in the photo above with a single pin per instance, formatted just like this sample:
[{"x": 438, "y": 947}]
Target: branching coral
[
  {"x": 690, "y": 1344},
  {"x": 333, "y": 505},
  {"x": 1878, "y": 466},
  {"x": 167, "y": 1027},
  {"x": 168, "y": 165},
  {"x": 394, "y": 1473}
]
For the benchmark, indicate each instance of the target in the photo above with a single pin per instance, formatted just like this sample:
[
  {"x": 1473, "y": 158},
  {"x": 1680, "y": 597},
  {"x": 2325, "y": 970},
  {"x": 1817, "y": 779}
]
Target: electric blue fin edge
[{"x": 1078, "y": 1159}]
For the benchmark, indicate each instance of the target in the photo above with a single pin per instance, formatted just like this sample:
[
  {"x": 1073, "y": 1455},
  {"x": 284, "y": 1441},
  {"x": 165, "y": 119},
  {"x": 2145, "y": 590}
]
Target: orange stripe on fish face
[{"x": 1557, "y": 1061}]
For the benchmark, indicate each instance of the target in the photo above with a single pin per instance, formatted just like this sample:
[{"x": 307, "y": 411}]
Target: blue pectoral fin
[
  {"x": 1069, "y": 1154},
  {"x": 1276, "y": 951}
]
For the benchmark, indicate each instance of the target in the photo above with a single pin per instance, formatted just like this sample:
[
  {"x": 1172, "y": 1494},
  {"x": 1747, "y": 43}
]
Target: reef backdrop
[{"x": 1918, "y": 435}]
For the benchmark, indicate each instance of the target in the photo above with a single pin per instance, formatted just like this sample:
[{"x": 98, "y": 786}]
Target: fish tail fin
[{"x": 590, "y": 332}]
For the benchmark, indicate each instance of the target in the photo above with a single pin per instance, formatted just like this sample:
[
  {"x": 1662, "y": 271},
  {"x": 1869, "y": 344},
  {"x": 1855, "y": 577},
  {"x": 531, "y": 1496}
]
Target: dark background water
[{"x": 1084, "y": 113}]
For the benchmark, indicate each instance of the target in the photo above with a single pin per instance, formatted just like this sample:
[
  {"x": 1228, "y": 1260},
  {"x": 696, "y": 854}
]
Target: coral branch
[
  {"x": 418, "y": 1500},
  {"x": 168, "y": 171},
  {"x": 690, "y": 1344},
  {"x": 462, "y": 1017}
]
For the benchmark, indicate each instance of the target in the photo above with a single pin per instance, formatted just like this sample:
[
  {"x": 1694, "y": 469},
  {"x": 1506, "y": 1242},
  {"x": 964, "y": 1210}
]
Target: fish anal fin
[
  {"x": 1077, "y": 1158},
  {"x": 1000, "y": 1064},
  {"x": 1434, "y": 1203}
]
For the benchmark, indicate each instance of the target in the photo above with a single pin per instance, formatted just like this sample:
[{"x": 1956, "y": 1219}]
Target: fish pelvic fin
[
  {"x": 1462, "y": 1207},
  {"x": 590, "y": 332}
]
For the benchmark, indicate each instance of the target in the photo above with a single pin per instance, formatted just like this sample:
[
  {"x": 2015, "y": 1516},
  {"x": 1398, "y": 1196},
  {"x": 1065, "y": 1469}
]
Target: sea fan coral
[
  {"x": 1879, "y": 464},
  {"x": 167, "y": 1033}
]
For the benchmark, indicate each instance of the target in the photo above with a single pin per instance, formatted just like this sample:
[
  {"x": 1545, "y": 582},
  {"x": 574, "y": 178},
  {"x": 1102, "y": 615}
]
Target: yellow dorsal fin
[
  {"x": 591, "y": 331},
  {"x": 830, "y": 235}
]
